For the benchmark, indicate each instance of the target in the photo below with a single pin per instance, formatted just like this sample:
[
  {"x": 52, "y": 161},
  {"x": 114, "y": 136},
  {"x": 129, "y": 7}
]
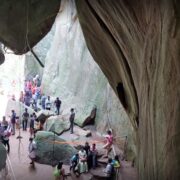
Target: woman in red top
[{"x": 109, "y": 142}]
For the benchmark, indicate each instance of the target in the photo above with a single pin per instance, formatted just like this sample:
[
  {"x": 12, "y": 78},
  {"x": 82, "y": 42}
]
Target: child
[
  {"x": 116, "y": 162},
  {"x": 59, "y": 171},
  {"x": 109, "y": 142},
  {"x": 74, "y": 162}
]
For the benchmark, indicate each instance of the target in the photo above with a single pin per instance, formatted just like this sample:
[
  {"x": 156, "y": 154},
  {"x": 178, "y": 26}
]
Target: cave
[{"x": 136, "y": 46}]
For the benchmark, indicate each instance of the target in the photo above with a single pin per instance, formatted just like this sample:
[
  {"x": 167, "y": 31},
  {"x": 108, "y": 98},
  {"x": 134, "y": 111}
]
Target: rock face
[
  {"x": 34, "y": 20},
  {"x": 57, "y": 124},
  {"x": 18, "y": 107},
  {"x": 3, "y": 156},
  {"x": 51, "y": 153},
  {"x": 31, "y": 66},
  {"x": 136, "y": 44},
  {"x": 72, "y": 75}
]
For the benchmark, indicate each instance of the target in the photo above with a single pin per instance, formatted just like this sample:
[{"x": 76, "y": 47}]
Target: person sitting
[
  {"x": 94, "y": 153},
  {"x": 83, "y": 161},
  {"x": 109, "y": 170},
  {"x": 116, "y": 165},
  {"x": 74, "y": 163},
  {"x": 116, "y": 162},
  {"x": 59, "y": 171},
  {"x": 109, "y": 142}
]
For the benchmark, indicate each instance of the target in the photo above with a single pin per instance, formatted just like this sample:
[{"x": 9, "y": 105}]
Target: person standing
[
  {"x": 59, "y": 171},
  {"x": 32, "y": 147},
  {"x": 48, "y": 103},
  {"x": 83, "y": 167},
  {"x": 94, "y": 153},
  {"x": 25, "y": 118},
  {"x": 57, "y": 103},
  {"x": 43, "y": 101},
  {"x": 5, "y": 137},
  {"x": 31, "y": 126},
  {"x": 71, "y": 119},
  {"x": 109, "y": 142},
  {"x": 4, "y": 123},
  {"x": 13, "y": 121}
]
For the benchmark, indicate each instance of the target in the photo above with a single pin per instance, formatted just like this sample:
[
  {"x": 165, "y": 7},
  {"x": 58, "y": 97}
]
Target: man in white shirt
[{"x": 48, "y": 103}]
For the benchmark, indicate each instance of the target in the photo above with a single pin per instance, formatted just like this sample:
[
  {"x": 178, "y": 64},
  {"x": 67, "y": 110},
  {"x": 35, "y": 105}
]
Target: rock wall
[
  {"x": 71, "y": 74},
  {"x": 136, "y": 44},
  {"x": 32, "y": 67}
]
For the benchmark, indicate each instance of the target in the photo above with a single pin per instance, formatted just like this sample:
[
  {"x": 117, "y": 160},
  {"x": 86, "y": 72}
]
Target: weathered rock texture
[
  {"x": 3, "y": 155},
  {"x": 57, "y": 124},
  {"x": 72, "y": 75},
  {"x": 137, "y": 45},
  {"x": 32, "y": 67},
  {"x": 18, "y": 107},
  {"x": 33, "y": 21},
  {"x": 51, "y": 149}
]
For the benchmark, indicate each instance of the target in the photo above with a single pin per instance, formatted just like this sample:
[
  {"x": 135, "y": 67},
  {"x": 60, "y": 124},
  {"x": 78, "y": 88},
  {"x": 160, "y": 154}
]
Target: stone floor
[{"x": 21, "y": 169}]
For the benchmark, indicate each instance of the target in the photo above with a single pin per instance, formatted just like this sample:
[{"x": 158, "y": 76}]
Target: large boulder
[
  {"x": 33, "y": 21},
  {"x": 43, "y": 115},
  {"x": 3, "y": 156},
  {"x": 51, "y": 149},
  {"x": 57, "y": 124}
]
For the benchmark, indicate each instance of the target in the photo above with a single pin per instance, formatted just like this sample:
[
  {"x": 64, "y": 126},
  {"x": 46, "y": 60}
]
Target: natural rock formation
[
  {"x": 18, "y": 107},
  {"x": 43, "y": 115},
  {"x": 33, "y": 20},
  {"x": 57, "y": 124},
  {"x": 3, "y": 155},
  {"x": 2, "y": 57},
  {"x": 72, "y": 75},
  {"x": 50, "y": 152},
  {"x": 136, "y": 44}
]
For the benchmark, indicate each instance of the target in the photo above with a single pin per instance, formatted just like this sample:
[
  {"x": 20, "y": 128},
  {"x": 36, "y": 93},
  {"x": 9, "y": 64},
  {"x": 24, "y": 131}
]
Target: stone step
[{"x": 103, "y": 160}]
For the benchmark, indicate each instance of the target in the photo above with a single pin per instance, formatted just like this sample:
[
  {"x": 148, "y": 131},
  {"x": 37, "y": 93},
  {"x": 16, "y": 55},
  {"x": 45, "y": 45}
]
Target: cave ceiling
[{"x": 23, "y": 23}]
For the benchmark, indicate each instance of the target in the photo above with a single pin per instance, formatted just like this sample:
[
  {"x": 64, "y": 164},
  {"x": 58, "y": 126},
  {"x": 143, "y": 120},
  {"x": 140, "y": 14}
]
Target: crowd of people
[
  {"x": 86, "y": 159},
  {"x": 32, "y": 96},
  {"x": 81, "y": 162}
]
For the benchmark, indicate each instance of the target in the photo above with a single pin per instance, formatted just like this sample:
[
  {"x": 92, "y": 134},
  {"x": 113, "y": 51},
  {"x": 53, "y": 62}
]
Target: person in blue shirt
[{"x": 74, "y": 162}]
